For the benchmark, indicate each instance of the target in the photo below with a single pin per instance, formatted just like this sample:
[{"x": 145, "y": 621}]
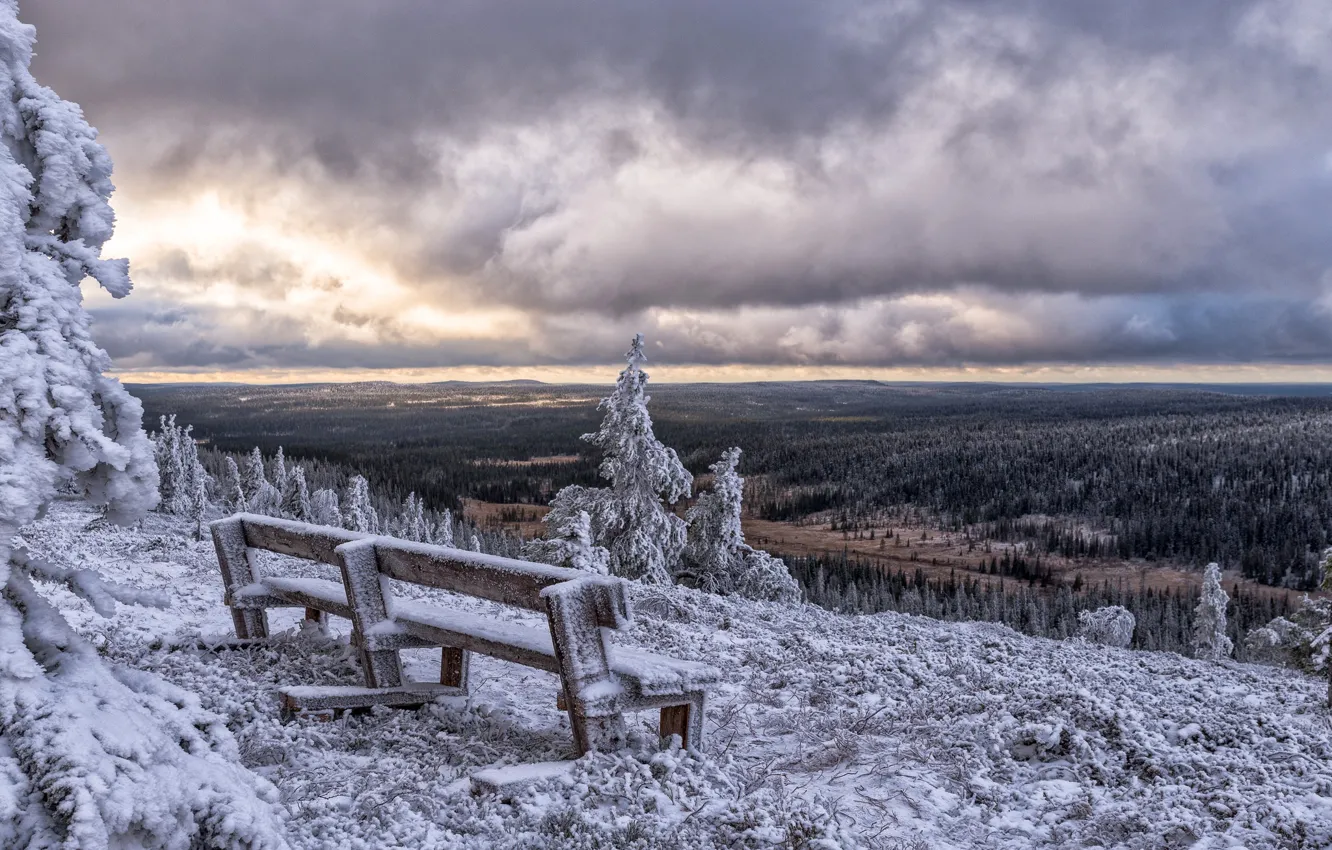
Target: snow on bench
[{"x": 599, "y": 682}]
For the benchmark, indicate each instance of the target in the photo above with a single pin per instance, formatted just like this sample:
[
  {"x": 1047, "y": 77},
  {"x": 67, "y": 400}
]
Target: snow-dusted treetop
[
  {"x": 629, "y": 518},
  {"x": 60, "y": 416}
]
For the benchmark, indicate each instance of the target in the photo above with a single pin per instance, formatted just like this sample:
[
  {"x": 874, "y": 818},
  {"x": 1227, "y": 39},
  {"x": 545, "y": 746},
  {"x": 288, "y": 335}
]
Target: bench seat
[
  {"x": 641, "y": 673},
  {"x": 327, "y": 596}
]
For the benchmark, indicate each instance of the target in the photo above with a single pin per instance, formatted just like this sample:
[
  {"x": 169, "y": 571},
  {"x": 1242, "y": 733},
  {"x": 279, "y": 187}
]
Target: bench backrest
[{"x": 505, "y": 580}]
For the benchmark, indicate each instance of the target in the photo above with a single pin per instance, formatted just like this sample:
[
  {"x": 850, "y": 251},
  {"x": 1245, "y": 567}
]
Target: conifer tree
[
  {"x": 1209, "y": 618},
  {"x": 628, "y": 518},
  {"x": 442, "y": 533},
  {"x": 233, "y": 498},
  {"x": 280, "y": 471},
  {"x": 325, "y": 509},
  {"x": 91, "y": 756},
  {"x": 359, "y": 513},
  {"x": 717, "y": 558},
  {"x": 570, "y": 546},
  {"x": 296, "y": 497}
]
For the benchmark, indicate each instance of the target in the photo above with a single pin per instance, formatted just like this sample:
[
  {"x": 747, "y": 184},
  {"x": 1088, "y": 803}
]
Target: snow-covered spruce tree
[
  {"x": 716, "y": 558},
  {"x": 570, "y": 546},
  {"x": 1209, "y": 618},
  {"x": 199, "y": 503},
  {"x": 280, "y": 472},
  {"x": 359, "y": 514},
  {"x": 91, "y": 756},
  {"x": 261, "y": 497},
  {"x": 252, "y": 476},
  {"x": 324, "y": 508},
  {"x": 442, "y": 533},
  {"x": 233, "y": 491},
  {"x": 629, "y": 519},
  {"x": 1109, "y": 626},
  {"x": 170, "y": 471},
  {"x": 296, "y": 497}
]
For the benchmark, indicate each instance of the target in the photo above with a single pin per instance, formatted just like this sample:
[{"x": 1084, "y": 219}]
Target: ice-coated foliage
[
  {"x": 280, "y": 472},
  {"x": 92, "y": 757},
  {"x": 570, "y": 545},
  {"x": 1209, "y": 618},
  {"x": 182, "y": 476},
  {"x": 442, "y": 534},
  {"x": 324, "y": 508},
  {"x": 1108, "y": 626},
  {"x": 717, "y": 557},
  {"x": 1294, "y": 641},
  {"x": 629, "y": 519},
  {"x": 359, "y": 514},
  {"x": 296, "y": 496},
  {"x": 62, "y": 420},
  {"x": 233, "y": 498}
]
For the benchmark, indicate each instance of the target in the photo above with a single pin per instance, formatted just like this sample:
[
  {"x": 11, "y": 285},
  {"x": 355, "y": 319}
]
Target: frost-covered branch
[{"x": 101, "y": 594}]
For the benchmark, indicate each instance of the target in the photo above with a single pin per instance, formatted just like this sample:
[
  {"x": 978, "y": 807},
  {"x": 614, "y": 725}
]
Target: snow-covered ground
[{"x": 829, "y": 731}]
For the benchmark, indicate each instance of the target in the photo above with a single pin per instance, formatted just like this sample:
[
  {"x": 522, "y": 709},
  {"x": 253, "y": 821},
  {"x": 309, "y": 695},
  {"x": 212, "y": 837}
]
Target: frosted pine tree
[
  {"x": 359, "y": 514},
  {"x": 324, "y": 508},
  {"x": 199, "y": 502},
  {"x": 233, "y": 492},
  {"x": 1209, "y": 618},
  {"x": 280, "y": 472},
  {"x": 252, "y": 476},
  {"x": 296, "y": 497},
  {"x": 442, "y": 533},
  {"x": 172, "y": 483},
  {"x": 91, "y": 755},
  {"x": 570, "y": 545},
  {"x": 629, "y": 519},
  {"x": 412, "y": 523},
  {"x": 717, "y": 559},
  {"x": 261, "y": 496}
]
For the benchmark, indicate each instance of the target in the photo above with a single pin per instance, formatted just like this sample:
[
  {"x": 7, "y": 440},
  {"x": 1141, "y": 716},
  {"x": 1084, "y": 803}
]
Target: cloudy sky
[{"x": 767, "y": 188}]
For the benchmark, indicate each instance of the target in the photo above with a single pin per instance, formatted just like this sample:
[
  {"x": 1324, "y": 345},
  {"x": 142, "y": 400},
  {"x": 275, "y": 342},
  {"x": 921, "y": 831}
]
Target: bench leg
[
  {"x": 604, "y": 734},
  {"x": 675, "y": 721},
  {"x": 250, "y": 622},
  {"x": 580, "y": 653},
  {"x": 453, "y": 667},
  {"x": 233, "y": 557},
  {"x": 685, "y": 720},
  {"x": 366, "y": 596}
]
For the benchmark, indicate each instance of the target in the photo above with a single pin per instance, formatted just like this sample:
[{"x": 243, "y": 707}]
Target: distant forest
[{"x": 1179, "y": 475}]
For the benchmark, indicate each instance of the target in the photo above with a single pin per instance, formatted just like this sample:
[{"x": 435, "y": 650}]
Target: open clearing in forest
[{"x": 936, "y": 552}]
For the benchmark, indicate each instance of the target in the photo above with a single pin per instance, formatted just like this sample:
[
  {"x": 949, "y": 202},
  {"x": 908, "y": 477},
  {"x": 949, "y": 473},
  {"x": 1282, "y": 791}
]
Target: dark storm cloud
[{"x": 609, "y": 158}]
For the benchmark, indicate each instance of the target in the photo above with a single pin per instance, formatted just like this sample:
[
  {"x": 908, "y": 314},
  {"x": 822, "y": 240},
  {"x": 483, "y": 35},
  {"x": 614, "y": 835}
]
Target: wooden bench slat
[
  {"x": 327, "y": 596},
  {"x": 297, "y": 539},
  {"x": 647, "y": 673},
  {"x": 504, "y": 580},
  {"x": 514, "y": 642}
]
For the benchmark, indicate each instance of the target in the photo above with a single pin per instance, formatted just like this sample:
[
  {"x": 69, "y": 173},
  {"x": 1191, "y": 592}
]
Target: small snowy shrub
[
  {"x": 1293, "y": 641},
  {"x": 1109, "y": 626}
]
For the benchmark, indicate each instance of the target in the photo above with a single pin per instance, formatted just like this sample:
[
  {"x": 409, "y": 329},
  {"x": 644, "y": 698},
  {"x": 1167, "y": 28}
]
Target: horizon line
[{"x": 1048, "y": 374}]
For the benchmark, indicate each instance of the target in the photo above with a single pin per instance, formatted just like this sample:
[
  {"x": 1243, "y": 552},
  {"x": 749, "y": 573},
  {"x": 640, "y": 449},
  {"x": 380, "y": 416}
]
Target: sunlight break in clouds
[{"x": 927, "y": 189}]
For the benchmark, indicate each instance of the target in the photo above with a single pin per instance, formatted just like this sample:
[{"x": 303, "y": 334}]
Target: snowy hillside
[{"x": 829, "y": 731}]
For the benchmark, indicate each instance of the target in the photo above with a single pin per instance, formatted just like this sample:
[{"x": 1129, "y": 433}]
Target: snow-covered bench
[{"x": 600, "y": 681}]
